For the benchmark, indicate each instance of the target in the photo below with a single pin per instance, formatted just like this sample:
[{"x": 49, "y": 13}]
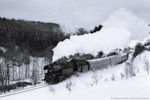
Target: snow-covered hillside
[{"x": 106, "y": 84}]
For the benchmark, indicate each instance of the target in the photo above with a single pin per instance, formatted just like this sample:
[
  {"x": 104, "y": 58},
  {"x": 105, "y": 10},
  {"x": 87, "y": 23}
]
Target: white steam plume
[{"x": 119, "y": 29}]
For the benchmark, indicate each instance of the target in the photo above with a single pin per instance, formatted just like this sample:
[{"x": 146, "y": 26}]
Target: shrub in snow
[
  {"x": 52, "y": 89},
  {"x": 122, "y": 75},
  {"x": 69, "y": 85},
  {"x": 113, "y": 77},
  {"x": 77, "y": 74},
  {"x": 95, "y": 77}
]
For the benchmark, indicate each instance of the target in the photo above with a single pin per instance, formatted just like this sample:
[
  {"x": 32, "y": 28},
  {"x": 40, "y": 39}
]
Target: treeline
[
  {"x": 35, "y": 37},
  {"x": 23, "y": 39},
  {"x": 82, "y": 31}
]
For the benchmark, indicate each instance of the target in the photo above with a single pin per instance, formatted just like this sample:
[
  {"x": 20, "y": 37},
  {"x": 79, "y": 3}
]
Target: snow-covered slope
[
  {"x": 136, "y": 87},
  {"x": 110, "y": 85}
]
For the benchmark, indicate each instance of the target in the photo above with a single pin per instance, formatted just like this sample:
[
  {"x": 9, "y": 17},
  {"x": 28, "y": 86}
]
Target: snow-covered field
[{"x": 83, "y": 85}]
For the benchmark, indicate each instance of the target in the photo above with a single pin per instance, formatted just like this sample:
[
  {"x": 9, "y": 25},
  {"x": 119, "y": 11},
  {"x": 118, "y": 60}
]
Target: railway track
[{"x": 24, "y": 90}]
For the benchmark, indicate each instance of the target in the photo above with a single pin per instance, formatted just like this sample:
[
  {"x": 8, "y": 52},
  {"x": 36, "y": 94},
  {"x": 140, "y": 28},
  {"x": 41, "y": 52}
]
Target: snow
[
  {"x": 136, "y": 87},
  {"x": 119, "y": 29},
  {"x": 84, "y": 86}
]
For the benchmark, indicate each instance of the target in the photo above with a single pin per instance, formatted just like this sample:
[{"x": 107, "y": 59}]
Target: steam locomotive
[{"x": 57, "y": 72}]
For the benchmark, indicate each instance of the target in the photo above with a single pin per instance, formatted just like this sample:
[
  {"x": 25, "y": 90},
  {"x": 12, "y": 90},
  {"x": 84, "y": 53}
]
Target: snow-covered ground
[
  {"x": 83, "y": 85},
  {"x": 136, "y": 87}
]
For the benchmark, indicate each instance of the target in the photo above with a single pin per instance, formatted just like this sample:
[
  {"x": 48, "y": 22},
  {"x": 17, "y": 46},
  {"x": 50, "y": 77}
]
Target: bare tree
[
  {"x": 69, "y": 85},
  {"x": 26, "y": 61},
  {"x": 34, "y": 77},
  {"x": 122, "y": 75},
  {"x": 1, "y": 75},
  {"x": 146, "y": 62},
  {"x": 8, "y": 74},
  {"x": 129, "y": 70},
  {"x": 95, "y": 77},
  {"x": 4, "y": 76},
  {"x": 35, "y": 72}
]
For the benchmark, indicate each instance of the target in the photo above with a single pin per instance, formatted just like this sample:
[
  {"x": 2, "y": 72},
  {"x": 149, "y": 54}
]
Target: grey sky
[{"x": 71, "y": 13}]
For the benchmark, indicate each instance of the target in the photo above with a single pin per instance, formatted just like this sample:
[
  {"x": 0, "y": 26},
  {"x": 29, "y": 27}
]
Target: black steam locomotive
[{"x": 57, "y": 72}]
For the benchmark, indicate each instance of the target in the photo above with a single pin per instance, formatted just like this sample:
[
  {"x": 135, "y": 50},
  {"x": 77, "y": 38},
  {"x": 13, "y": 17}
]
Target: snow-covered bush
[
  {"x": 122, "y": 75},
  {"x": 95, "y": 77},
  {"x": 69, "y": 85},
  {"x": 113, "y": 77},
  {"x": 52, "y": 89}
]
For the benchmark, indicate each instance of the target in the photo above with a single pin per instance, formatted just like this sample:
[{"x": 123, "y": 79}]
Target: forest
[
  {"x": 22, "y": 42},
  {"x": 25, "y": 44},
  {"x": 34, "y": 37}
]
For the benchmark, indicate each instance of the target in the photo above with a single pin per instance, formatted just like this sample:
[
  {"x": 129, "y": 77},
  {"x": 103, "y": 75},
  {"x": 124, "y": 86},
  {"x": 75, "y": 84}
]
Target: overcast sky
[{"x": 71, "y": 13}]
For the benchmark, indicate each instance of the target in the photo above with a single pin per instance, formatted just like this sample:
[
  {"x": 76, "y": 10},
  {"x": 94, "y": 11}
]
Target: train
[{"x": 57, "y": 72}]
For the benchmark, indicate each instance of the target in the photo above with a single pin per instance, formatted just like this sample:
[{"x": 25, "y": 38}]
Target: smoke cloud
[{"x": 119, "y": 29}]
